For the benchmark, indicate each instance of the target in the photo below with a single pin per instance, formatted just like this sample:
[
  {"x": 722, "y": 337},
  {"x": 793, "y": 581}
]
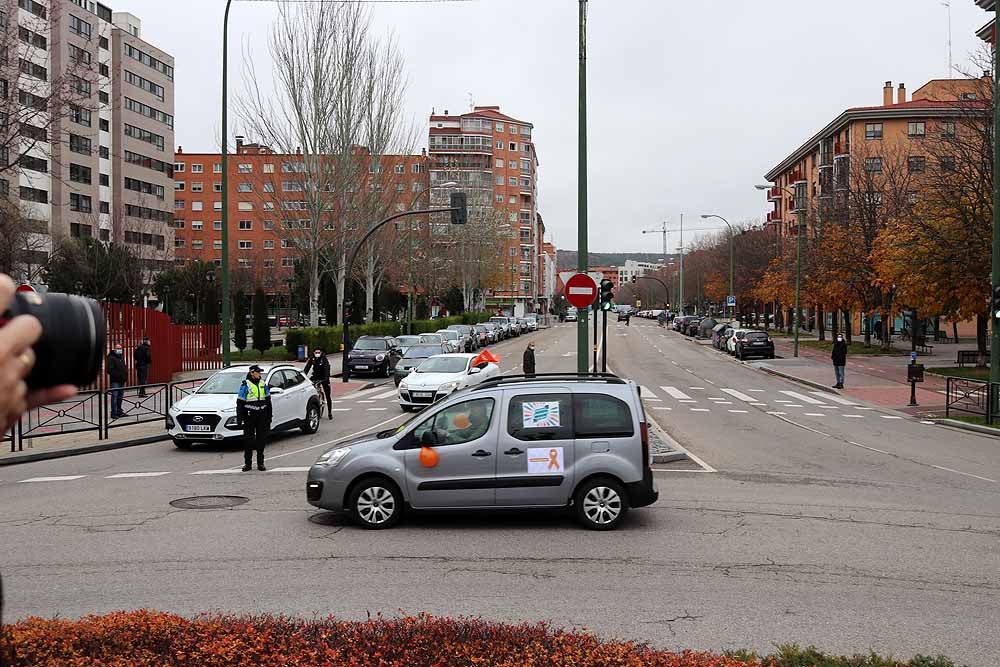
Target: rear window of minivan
[{"x": 597, "y": 416}]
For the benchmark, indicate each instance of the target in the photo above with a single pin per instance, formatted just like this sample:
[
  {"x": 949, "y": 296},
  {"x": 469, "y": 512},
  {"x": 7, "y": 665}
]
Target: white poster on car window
[
  {"x": 542, "y": 414},
  {"x": 545, "y": 460}
]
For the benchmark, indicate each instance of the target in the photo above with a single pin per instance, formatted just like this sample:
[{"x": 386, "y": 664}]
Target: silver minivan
[{"x": 513, "y": 442}]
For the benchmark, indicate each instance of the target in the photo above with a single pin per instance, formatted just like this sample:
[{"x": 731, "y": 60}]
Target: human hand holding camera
[{"x": 17, "y": 360}]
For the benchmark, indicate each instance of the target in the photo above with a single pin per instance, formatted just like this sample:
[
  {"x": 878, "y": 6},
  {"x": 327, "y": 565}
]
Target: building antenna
[{"x": 947, "y": 3}]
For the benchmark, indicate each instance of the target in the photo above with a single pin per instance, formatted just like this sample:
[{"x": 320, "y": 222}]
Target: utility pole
[
  {"x": 681, "y": 295},
  {"x": 226, "y": 358},
  {"x": 995, "y": 316},
  {"x": 583, "y": 254}
]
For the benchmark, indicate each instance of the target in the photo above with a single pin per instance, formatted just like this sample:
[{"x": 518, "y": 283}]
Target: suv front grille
[{"x": 206, "y": 420}]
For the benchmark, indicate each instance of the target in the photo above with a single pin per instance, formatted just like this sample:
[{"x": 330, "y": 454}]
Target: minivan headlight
[{"x": 333, "y": 457}]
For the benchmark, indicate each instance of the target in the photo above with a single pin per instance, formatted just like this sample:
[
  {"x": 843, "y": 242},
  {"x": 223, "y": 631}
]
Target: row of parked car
[{"x": 731, "y": 337}]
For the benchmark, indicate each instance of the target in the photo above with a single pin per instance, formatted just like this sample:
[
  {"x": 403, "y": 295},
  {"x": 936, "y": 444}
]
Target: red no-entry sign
[{"x": 581, "y": 290}]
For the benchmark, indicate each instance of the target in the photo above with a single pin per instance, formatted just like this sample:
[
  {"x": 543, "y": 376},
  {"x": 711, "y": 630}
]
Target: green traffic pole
[
  {"x": 226, "y": 357},
  {"x": 733, "y": 314},
  {"x": 798, "y": 278},
  {"x": 994, "y": 318},
  {"x": 582, "y": 360}
]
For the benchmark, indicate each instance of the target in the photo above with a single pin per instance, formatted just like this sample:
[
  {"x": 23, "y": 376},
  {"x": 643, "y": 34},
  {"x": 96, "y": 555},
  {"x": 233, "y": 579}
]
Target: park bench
[{"x": 967, "y": 357}]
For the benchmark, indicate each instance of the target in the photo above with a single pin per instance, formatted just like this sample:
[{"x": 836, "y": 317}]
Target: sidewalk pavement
[
  {"x": 880, "y": 380},
  {"x": 83, "y": 442}
]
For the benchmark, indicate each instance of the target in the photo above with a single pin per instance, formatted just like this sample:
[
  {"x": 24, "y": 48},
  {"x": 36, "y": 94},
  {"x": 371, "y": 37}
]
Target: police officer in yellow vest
[{"x": 253, "y": 407}]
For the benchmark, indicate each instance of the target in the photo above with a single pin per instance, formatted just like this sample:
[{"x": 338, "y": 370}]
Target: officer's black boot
[
  {"x": 260, "y": 461},
  {"x": 247, "y": 460}
]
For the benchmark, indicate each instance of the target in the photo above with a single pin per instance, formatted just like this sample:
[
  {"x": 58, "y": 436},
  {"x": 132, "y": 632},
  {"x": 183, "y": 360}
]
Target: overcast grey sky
[{"x": 690, "y": 102}]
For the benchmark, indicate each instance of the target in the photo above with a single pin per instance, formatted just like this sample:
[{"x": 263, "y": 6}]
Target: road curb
[
  {"x": 76, "y": 451},
  {"x": 976, "y": 428},
  {"x": 793, "y": 378},
  {"x": 669, "y": 457}
]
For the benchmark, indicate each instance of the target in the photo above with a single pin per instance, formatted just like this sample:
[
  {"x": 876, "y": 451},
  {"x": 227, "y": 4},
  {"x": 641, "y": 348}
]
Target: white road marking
[
  {"x": 698, "y": 388},
  {"x": 646, "y": 393},
  {"x": 674, "y": 363},
  {"x": 366, "y": 401},
  {"x": 802, "y": 398},
  {"x": 342, "y": 409},
  {"x": 676, "y": 393},
  {"x": 855, "y": 416},
  {"x": 740, "y": 395},
  {"x": 365, "y": 393},
  {"x": 700, "y": 410},
  {"x": 291, "y": 469},
  {"x": 709, "y": 381},
  {"x": 792, "y": 405},
  {"x": 778, "y": 400},
  {"x": 689, "y": 371},
  {"x": 889, "y": 417},
  {"x": 860, "y": 408},
  {"x": 228, "y": 471},
  {"x": 740, "y": 412},
  {"x": 760, "y": 405},
  {"x": 376, "y": 409},
  {"x": 832, "y": 397},
  {"x": 333, "y": 442},
  {"x": 653, "y": 399},
  {"x": 129, "y": 475},
  {"x": 723, "y": 403},
  {"x": 929, "y": 423},
  {"x": 814, "y": 414},
  {"x": 778, "y": 414},
  {"x": 64, "y": 478},
  {"x": 757, "y": 391},
  {"x": 386, "y": 395},
  {"x": 690, "y": 400}
]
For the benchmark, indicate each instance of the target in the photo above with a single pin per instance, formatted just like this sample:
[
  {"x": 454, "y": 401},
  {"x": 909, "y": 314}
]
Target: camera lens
[{"x": 72, "y": 343}]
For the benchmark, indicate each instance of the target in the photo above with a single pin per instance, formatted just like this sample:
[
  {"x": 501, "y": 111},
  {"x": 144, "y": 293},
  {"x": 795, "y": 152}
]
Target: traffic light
[
  {"x": 996, "y": 301},
  {"x": 606, "y": 294},
  {"x": 633, "y": 280},
  {"x": 459, "y": 208}
]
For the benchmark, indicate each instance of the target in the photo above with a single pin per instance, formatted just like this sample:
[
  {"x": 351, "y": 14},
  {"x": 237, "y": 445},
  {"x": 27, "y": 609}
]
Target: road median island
[{"x": 145, "y": 638}]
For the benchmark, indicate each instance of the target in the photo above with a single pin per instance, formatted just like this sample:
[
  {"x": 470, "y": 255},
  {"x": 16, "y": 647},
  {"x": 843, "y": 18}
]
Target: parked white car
[
  {"x": 441, "y": 375},
  {"x": 209, "y": 413},
  {"x": 737, "y": 334}
]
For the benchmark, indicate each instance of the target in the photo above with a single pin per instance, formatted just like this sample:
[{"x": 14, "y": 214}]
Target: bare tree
[
  {"x": 336, "y": 107},
  {"x": 24, "y": 241}
]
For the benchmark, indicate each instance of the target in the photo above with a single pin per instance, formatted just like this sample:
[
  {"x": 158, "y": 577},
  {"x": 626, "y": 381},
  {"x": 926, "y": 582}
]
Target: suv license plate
[{"x": 204, "y": 428}]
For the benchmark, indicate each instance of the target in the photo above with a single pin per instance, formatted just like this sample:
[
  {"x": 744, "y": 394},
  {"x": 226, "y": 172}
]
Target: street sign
[
  {"x": 915, "y": 373},
  {"x": 731, "y": 301},
  {"x": 581, "y": 290}
]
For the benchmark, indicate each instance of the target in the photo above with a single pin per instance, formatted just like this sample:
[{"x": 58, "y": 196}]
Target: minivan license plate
[{"x": 203, "y": 428}]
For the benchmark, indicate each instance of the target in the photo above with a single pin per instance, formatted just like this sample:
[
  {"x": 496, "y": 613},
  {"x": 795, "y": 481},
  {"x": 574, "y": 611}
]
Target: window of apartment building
[
  {"x": 80, "y": 174},
  {"x": 525, "y": 183},
  {"x": 149, "y": 61},
  {"x": 244, "y": 187},
  {"x": 103, "y": 98},
  {"x": 512, "y": 146},
  {"x": 197, "y": 225},
  {"x": 417, "y": 186},
  {"x": 79, "y": 116},
  {"x": 32, "y": 38},
  {"x": 499, "y": 127},
  {"x": 178, "y": 166},
  {"x": 499, "y": 199},
  {"x": 268, "y": 263},
  {"x": 513, "y": 252},
  {"x": 4, "y": 187},
  {"x": 948, "y": 128},
  {"x": 499, "y": 180},
  {"x": 217, "y": 225},
  {"x": 525, "y": 165},
  {"x": 197, "y": 186},
  {"x": 947, "y": 163},
  {"x": 287, "y": 262},
  {"x": 268, "y": 244},
  {"x": 34, "y": 163},
  {"x": 400, "y": 187},
  {"x": 148, "y": 137},
  {"x": 33, "y": 7},
  {"x": 246, "y": 225},
  {"x": 80, "y": 27},
  {"x": 36, "y": 134},
  {"x": 79, "y": 85},
  {"x": 79, "y": 144},
  {"x": 873, "y": 164},
  {"x": 511, "y": 199},
  {"x": 245, "y": 168},
  {"x": 197, "y": 244},
  {"x": 268, "y": 168},
  {"x": 499, "y": 145},
  {"x": 197, "y": 168},
  {"x": 149, "y": 112},
  {"x": 293, "y": 167},
  {"x": 217, "y": 206},
  {"x": 34, "y": 101},
  {"x": 145, "y": 84},
  {"x": 873, "y": 130},
  {"x": 245, "y": 206},
  {"x": 525, "y": 148},
  {"x": 216, "y": 187},
  {"x": 105, "y": 179},
  {"x": 104, "y": 124},
  {"x": 79, "y": 231},
  {"x": 145, "y": 188},
  {"x": 916, "y": 163},
  {"x": 31, "y": 69},
  {"x": 104, "y": 69},
  {"x": 217, "y": 244},
  {"x": 418, "y": 169},
  {"x": 34, "y": 195},
  {"x": 217, "y": 168},
  {"x": 292, "y": 186},
  {"x": 512, "y": 164},
  {"x": 967, "y": 97},
  {"x": 245, "y": 245},
  {"x": 179, "y": 242},
  {"x": 177, "y": 223},
  {"x": 286, "y": 243},
  {"x": 103, "y": 43},
  {"x": 80, "y": 203},
  {"x": 915, "y": 128},
  {"x": 499, "y": 163},
  {"x": 525, "y": 236},
  {"x": 269, "y": 206},
  {"x": 105, "y": 207},
  {"x": 512, "y": 181},
  {"x": 269, "y": 225},
  {"x": 197, "y": 206},
  {"x": 104, "y": 152},
  {"x": 399, "y": 169},
  {"x": 512, "y": 217},
  {"x": 911, "y": 198}
]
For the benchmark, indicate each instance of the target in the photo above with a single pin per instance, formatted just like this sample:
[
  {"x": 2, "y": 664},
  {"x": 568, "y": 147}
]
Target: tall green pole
[
  {"x": 226, "y": 357},
  {"x": 582, "y": 362},
  {"x": 733, "y": 315},
  {"x": 995, "y": 320},
  {"x": 798, "y": 276}
]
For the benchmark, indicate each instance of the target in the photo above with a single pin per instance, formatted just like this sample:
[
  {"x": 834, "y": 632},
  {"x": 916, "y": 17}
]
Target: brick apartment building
[
  {"x": 492, "y": 157},
  {"x": 103, "y": 167}
]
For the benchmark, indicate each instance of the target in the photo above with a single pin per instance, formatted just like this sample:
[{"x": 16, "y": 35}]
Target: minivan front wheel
[
  {"x": 600, "y": 504},
  {"x": 376, "y": 503}
]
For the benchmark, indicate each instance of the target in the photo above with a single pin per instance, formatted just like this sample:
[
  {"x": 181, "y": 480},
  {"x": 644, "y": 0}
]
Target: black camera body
[{"x": 71, "y": 347}]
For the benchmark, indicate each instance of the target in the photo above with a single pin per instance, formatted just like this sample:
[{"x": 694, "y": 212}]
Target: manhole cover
[
  {"x": 208, "y": 502},
  {"x": 327, "y": 519}
]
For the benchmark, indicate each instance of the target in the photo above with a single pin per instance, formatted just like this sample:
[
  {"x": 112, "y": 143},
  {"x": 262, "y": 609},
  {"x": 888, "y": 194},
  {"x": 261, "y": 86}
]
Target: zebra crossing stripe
[
  {"x": 676, "y": 393},
  {"x": 740, "y": 395},
  {"x": 833, "y": 398},
  {"x": 801, "y": 397},
  {"x": 386, "y": 395},
  {"x": 63, "y": 478},
  {"x": 646, "y": 393},
  {"x": 131, "y": 475}
]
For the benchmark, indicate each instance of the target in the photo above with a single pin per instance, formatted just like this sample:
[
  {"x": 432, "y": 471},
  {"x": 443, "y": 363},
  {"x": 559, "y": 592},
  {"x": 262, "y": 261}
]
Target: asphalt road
[{"x": 829, "y": 524}]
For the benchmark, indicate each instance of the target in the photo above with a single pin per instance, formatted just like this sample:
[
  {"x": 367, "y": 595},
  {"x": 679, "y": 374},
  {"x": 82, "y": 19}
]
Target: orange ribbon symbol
[{"x": 553, "y": 459}]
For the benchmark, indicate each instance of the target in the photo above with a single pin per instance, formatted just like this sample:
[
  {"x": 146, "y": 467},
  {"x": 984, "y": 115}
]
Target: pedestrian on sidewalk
[
  {"x": 320, "y": 366},
  {"x": 117, "y": 376},
  {"x": 528, "y": 363},
  {"x": 143, "y": 359},
  {"x": 253, "y": 409},
  {"x": 839, "y": 357}
]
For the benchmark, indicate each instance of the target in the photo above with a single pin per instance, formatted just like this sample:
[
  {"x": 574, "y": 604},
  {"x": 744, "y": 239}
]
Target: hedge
[
  {"x": 145, "y": 638},
  {"x": 330, "y": 338}
]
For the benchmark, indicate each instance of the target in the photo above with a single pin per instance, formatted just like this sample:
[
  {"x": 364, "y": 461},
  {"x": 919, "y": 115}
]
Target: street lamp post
[
  {"x": 226, "y": 358},
  {"x": 409, "y": 259},
  {"x": 731, "y": 234},
  {"x": 800, "y": 214}
]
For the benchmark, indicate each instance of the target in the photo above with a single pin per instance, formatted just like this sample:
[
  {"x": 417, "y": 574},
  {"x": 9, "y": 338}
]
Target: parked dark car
[
  {"x": 376, "y": 355},
  {"x": 717, "y": 333},
  {"x": 705, "y": 327},
  {"x": 720, "y": 340},
  {"x": 691, "y": 326},
  {"x": 470, "y": 340},
  {"x": 680, "y": 321},
  {"x": 414, "y": 356},
  {"x": 483, "y": 335},
  {"x": 755, "y": 344}
]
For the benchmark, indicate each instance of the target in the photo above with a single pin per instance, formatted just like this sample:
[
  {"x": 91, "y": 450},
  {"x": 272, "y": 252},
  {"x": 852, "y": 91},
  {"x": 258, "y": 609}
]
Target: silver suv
[{"x": 511, "y": 442}]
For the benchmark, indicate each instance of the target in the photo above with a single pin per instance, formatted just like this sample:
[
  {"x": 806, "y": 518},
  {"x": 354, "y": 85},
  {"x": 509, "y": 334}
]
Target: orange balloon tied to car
[
  {"x": 429, "y": 457},
  {"x": 486, "y": 357}
]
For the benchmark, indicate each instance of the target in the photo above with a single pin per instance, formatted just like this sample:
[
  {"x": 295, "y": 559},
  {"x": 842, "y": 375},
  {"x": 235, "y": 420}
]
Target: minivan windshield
[{"x": 443, "y": 365}]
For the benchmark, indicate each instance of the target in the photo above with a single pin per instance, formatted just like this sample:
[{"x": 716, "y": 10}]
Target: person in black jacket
[
  {"x": 143, "y": 359},
  {"x": 118, "y": 376},
  {"x": 529, "y": 359},
  {"x": 320, "y": 366},
  {"x": 839, "y": 357}
]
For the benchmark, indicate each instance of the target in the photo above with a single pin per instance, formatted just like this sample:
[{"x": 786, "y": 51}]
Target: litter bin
[{"x": 303, "y": 352}]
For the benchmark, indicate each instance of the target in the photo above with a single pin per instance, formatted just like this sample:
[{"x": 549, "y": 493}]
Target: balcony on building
[
  {"x": 795, "y": 176},
  {"x": 774, "y": 194},
  {"x": 841, "y": 148}
]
